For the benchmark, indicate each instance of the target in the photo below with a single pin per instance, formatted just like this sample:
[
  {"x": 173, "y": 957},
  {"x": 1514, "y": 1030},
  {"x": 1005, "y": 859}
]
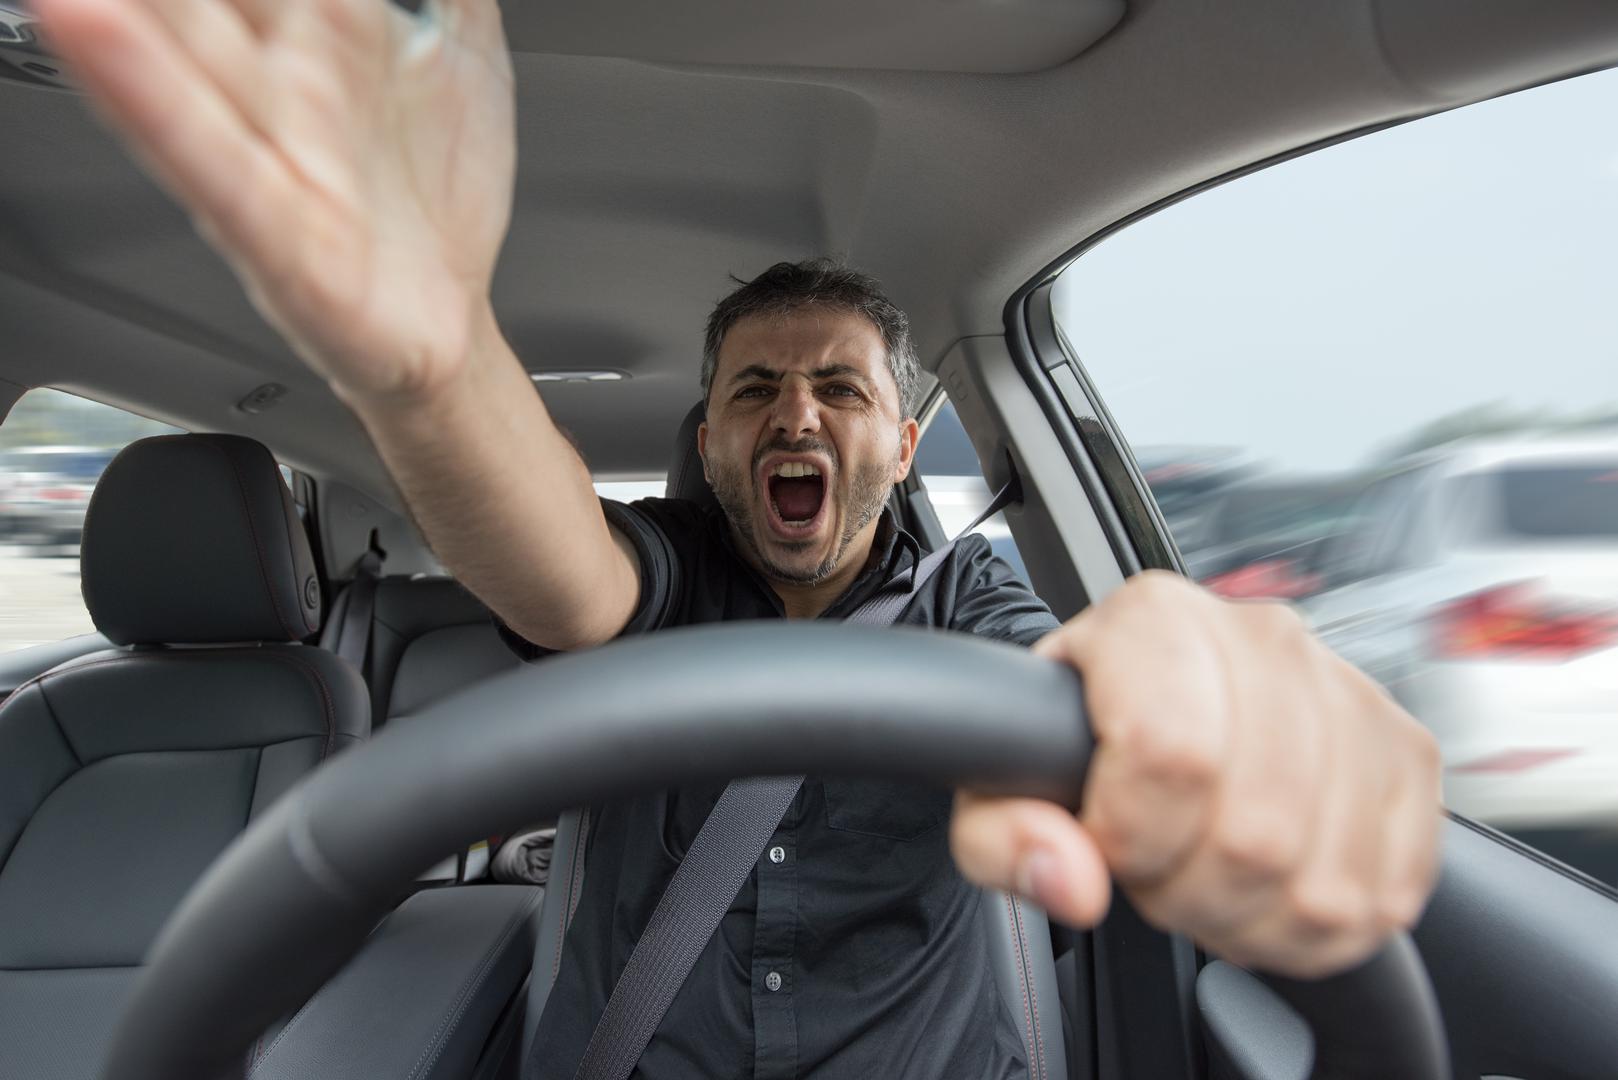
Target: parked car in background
[
  {"x": 1482, "y": 591},
  {"x": 1264, "y": 537},
  {"x": 46, "y": 491}
]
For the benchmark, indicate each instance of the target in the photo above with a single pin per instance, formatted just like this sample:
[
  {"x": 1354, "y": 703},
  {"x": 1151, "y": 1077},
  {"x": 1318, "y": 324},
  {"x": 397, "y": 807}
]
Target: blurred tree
[{"x": 1496, "y": 418}]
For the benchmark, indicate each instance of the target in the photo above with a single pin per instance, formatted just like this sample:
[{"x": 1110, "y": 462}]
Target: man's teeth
[{"x": 793, "y": 469}]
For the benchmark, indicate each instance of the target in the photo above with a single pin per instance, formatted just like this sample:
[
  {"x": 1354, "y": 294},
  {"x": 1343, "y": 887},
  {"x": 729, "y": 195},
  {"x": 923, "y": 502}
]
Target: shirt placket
[{"x": 775, "y": 1021}]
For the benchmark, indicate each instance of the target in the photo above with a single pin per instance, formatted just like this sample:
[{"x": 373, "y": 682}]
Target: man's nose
[{"x": 797, "y": 410}]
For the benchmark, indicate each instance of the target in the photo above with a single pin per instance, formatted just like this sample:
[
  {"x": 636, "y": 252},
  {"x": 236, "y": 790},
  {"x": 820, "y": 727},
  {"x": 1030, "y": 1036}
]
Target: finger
[
  {"x": 1033, "y": 848},
  {"x": 176, "y": 122},
  {"x": 226, "y": 51}
]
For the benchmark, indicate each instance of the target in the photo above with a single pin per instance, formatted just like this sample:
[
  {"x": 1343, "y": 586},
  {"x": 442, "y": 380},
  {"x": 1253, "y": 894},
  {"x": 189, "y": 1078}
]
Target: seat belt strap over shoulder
[
  {"x": 720, "y": 858},
  {"x": 354, "y": 635}
]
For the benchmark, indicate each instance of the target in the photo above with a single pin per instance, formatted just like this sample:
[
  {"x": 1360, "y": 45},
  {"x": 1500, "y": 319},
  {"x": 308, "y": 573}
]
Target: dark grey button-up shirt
[{"x": 855, "y": 949}]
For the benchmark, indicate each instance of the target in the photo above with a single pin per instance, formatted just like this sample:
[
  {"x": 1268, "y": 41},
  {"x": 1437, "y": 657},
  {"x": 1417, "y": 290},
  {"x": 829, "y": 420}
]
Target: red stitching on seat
[
  {"x": 1022, "y": 938},
  {"x": 237, "y": 652},
  {"x": 1022, "y": 979}
]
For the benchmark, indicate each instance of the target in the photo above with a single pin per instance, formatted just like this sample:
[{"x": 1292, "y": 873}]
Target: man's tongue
[{"x": 796, "y": 498}]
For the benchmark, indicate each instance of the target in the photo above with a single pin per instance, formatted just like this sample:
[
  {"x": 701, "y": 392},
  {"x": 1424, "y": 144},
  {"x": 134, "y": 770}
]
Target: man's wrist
[{"x": 432, "y": 382}]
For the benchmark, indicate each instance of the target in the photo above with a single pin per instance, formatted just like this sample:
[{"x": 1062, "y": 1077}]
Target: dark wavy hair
[{"x": 828, "y": 283}]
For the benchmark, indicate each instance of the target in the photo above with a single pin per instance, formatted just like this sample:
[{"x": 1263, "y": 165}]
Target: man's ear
[
  {"x": 702, "y": 448},
  {"x": 909, "y": 439}
]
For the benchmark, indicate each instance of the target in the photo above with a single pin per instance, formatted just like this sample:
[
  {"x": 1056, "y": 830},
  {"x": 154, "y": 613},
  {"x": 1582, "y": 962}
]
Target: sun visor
[{"x": 980, "y": 36}]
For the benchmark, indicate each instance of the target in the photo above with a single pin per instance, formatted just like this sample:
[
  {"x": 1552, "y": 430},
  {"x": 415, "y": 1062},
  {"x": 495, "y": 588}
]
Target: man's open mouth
[{"x": 797, "y": 495}]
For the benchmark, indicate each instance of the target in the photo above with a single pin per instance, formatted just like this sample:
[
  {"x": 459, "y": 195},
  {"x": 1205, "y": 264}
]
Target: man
[
  {"x": 1249, "y": 789},
  {"x": 878, "y": 954}
]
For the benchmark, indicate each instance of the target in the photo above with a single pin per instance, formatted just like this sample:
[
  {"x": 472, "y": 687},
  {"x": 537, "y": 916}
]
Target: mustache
[{"x": 794, "y": 446}]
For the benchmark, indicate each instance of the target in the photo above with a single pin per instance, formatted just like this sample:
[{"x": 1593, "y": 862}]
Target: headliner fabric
[{"x": 194, "y": 539}]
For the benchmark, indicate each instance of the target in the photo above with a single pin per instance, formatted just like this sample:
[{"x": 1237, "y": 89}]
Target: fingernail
[{"x": 1037, "y": 876}]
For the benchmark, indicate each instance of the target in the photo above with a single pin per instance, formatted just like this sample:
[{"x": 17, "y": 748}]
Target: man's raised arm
[{"x": 354, "y": 165}]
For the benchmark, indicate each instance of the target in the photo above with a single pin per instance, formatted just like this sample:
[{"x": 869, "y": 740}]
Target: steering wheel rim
[{"x": 312, "y": 877}]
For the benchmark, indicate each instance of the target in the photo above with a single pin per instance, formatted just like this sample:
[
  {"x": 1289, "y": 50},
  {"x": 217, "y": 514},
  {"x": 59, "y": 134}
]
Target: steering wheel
[{"x": 295, "y": 895}]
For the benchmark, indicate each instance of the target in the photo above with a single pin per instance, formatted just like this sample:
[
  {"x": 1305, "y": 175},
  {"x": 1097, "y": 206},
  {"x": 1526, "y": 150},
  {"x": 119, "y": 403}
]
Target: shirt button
[
  {"x": 778, "y": 854},
  {"x": 773, "y": 981}
]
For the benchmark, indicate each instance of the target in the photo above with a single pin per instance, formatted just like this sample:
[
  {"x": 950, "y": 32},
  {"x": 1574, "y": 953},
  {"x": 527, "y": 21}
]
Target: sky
[{"x": 1316, "y": 311}]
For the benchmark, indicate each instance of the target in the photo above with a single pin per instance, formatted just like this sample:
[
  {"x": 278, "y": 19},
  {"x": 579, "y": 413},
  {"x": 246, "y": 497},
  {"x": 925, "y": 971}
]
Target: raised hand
[{"x": 352, "y": 162}]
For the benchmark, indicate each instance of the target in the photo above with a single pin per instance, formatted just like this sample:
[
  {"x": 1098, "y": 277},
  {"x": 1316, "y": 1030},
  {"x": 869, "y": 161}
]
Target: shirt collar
[{"x": 895, "y": 554}]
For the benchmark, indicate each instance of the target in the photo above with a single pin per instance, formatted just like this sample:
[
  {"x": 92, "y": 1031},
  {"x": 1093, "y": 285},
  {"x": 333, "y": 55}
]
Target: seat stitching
[
  {"x": 567, "y": 902},
  {"x": 282, "y": 1034},
  {"x": 308, "y": 671},
  {"x": 1039, "y": 1036},
  {"x": 447, "y": 1025},
  {"x": 39, "y": 680},
  {"x": 319, "y": 680},
  {"x": 1022, "y": 980},
  {"x": 258, "y": 543},
  {"x": 570, "y": 899},
  {"x": 581, "y": 844},
  {"x": 50, "y": 710}
]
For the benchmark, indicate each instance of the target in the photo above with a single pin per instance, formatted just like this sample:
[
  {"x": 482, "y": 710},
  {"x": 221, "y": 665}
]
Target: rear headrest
[
  {"x": 686, "y": 480},
  {"x": 193, "y": 539}
]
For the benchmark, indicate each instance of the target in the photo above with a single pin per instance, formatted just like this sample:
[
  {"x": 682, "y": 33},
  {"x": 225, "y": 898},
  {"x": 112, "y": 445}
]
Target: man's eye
[
  {"x": 842, "y": 390},
  {"x": 752, "y": 391}
]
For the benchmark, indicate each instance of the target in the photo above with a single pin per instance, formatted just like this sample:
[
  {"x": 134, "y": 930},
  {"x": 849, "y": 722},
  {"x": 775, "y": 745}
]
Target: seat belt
[
  {"x": 354, "y": 634},
  {"x": 705, "y": 883}
]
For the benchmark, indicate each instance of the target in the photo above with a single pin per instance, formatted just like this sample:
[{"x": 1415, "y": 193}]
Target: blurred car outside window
[
  {"x": 53, "y": 447},
  {"x": 1403, "y": 351}
]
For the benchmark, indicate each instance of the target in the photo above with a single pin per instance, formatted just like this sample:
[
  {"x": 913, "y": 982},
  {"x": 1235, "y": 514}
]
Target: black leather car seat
[
  {"x": 1018, "y": 933},
  {"x": 124, "y": 773},
  {"x": 429, "y": 637}
]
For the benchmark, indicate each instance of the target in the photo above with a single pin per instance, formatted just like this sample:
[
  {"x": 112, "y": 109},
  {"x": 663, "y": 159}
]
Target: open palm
[{"x": 352, "y": 162}]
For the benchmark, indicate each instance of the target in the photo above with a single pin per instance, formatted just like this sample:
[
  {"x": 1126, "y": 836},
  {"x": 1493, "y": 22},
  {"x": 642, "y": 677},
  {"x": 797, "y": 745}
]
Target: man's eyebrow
[
  {"x": 756, "y": 371},
  {"x": 830, "y": 371},
  {"x": 839, "y": 371}
]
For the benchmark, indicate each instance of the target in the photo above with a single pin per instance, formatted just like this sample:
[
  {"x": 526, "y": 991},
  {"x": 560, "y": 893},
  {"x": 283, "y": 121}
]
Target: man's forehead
[{"x": 803, "y": 340}]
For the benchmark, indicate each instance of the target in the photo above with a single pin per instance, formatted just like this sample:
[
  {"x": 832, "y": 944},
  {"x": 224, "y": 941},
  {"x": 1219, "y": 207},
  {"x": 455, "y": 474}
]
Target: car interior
[{"x": 289, "y": 705}]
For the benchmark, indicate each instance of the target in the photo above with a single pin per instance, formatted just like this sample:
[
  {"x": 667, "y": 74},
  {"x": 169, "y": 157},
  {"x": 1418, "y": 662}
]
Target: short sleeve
[
  {"x": 651, "y": 526},
  {"x": 993, "y": 601}
]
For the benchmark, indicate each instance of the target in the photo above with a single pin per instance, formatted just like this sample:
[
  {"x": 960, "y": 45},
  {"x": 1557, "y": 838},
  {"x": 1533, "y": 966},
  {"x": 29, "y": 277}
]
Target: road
[{"x": 39, "y": 597}]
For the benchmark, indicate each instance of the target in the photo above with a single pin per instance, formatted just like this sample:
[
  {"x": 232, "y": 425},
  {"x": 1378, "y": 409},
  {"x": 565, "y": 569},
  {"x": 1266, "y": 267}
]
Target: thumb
[{"x": 1032, "y": 848}]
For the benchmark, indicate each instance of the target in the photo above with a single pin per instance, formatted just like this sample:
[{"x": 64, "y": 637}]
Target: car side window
[
  {"x": 53, "y": 447},
  {"x": 949, "y": 466},
  {"x": 1424, "y": 314}
]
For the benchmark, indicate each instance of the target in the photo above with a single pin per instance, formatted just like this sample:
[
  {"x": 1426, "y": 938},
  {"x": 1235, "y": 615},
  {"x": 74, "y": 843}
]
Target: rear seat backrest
[{"x": 429, "y": 638}]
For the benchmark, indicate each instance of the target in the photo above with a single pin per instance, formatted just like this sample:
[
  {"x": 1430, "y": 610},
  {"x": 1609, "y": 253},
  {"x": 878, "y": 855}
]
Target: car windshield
[{"x": 1557, "y": 502}]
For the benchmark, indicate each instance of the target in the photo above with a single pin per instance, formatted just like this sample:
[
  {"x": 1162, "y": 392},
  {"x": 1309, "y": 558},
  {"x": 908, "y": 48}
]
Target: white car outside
[{"x": 1481, "y": 589}]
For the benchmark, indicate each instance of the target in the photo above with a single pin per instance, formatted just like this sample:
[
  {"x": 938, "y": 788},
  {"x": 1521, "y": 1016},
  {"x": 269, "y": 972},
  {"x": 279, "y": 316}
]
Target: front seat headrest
[
  {"x": 686, "y": 480},
  {"x": 193, "y": 539}
]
